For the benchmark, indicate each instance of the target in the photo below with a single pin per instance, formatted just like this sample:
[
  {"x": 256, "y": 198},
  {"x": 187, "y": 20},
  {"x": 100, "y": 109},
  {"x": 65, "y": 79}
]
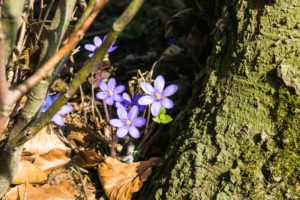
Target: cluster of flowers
[{"x": 128, "y": 109}]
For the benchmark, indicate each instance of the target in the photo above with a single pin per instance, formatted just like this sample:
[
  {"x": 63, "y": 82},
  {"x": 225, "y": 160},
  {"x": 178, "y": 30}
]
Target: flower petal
[
  {"x": 147, "y": 87},
  {"x": 167, "y": 103},
  {"x": 126, "y": 97},
  {"x": 122, "y": 132},
  {"x": 65, "y": 109},
  {"x": 155, "y": 108},
  {"x": 112, "y": 48},
  {"x": 170, "y": 90},
  {"x": 119, "y": 105},
  {"x": 122, "y": 113},
  {"x": 134, "y": 132},
  {"x": 47, "y": 103},
  {"x": 142, "y": 108},
  {"x": 109, "y": 100},
  {"x": 57, "y": 119},
  {"x": 136, "y": 99},
  {"x": 139, "y": 122},
  {"x": 55, "y": 97},
  {"x": 116, "y": 123},
  {"x": 111, "y": 84},
  {"x": 91, "y": 55},
  {"x": 90, "y": 47},
  {"x": 145, "y": 100},
  {"x": 101, "y": 95},
  {"x": 159, "y": 83},
  {"x": 97, "y": 41},
  {"x": 117, "y": 97},
  {"x": 134, "y": 111},
  {"x": 103, "y": 86},
  {"x": 119, "y": 89}
]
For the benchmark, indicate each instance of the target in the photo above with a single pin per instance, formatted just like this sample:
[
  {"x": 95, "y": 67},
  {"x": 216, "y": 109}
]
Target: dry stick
[
  {"x": 107, "y": 117},
  {"x": 60, "y": 54},
  {"x": 4, "y": 92},
  {"x": 83, "y": 104},
  {"x": 43, "y": 23}
]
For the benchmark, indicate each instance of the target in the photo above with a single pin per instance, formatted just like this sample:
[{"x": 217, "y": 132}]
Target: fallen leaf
[
  {"x": 52, "y": 160},
  {"x": 29, "y": 173},
  {"x": 77, "y": 136},
  {"x": 43, "y": 142},
  {"x": 62, "y": 191},
  {"x": 121, "y": 180},
  {"x": 88, "y": 158},
  {"x": 41, "y": 155}
]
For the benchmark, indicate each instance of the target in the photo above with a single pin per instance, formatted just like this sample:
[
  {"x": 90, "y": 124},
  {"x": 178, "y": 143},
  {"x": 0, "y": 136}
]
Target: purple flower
[
  {"x": 127, "y": 103},
  {"x": 97, "y": 44},
  {"x": 127, "y": 122},
  {"x": 110, "y": 92},
  {"x": 157, "y": 96},
  {"x": 57, "y": 118}
]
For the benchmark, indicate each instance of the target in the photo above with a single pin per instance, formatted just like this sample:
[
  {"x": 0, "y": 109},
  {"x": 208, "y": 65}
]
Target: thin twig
[
  {"x": 107, "y": 117},
  {"x": 43, "y": 23},
  {"x": 83, "y": 104}
]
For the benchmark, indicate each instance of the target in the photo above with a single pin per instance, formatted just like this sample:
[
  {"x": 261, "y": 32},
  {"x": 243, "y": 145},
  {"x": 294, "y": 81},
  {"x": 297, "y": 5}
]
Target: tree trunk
[{"x": 238, "y": 137}]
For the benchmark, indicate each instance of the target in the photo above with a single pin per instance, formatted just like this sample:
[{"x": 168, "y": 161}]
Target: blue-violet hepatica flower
[
  {"x": 97, "y": 44},
  {"x": 127, "y": 122},
  {"x": 110, "y": 91},
  {"x": 127, "y": 102},
  {"x": 157, "y": 95},
  {"x": 57, "y": 118}
]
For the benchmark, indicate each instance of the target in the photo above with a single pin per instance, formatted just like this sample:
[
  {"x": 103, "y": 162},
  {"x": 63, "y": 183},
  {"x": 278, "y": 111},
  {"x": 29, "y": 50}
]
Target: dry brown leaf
[
  {"x": 121, "y": 180},
  {"x": 41, "y": 155},
  {"x": 77, "y": 136},
  {"x": 29, "y": 173},
  {"x": 88, "y": 158},
  {"x": 43, "y": 142},
  {"x": 62, "y": 191},
  {"x": 52, "y": 160}
]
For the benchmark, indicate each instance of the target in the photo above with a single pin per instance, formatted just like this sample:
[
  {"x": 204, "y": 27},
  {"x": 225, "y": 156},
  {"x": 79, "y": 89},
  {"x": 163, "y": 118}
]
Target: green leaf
[
  {"x": 156, "y": 119},
  {"x": 165, "y": 119},
  {"x": 162, "y": 111}
]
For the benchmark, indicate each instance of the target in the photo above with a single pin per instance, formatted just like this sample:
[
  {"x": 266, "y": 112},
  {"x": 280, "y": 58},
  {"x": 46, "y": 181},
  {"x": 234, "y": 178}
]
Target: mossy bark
[{"x": 238, "y": 137}]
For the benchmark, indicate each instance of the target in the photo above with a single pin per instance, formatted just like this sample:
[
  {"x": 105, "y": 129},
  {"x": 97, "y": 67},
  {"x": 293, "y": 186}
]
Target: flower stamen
[
  {"x": 127, "y": 122},
  {"x": 158, "y": 95},
  {"x": 110, "y": 93}
]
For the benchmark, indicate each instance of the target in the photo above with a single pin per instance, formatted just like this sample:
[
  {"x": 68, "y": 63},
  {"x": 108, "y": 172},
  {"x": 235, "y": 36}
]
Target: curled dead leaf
[
  {"x": 88, "y": 158},
  {"x": 121, "y": 180}
]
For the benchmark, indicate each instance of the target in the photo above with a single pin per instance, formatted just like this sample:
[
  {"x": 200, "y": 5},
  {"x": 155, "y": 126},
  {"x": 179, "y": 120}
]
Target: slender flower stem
[{"x": 107, "y": 117}]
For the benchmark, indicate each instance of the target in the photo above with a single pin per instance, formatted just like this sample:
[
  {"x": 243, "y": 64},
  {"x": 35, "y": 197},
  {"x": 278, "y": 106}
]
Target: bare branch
[{"x": 60, "y": 54}]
